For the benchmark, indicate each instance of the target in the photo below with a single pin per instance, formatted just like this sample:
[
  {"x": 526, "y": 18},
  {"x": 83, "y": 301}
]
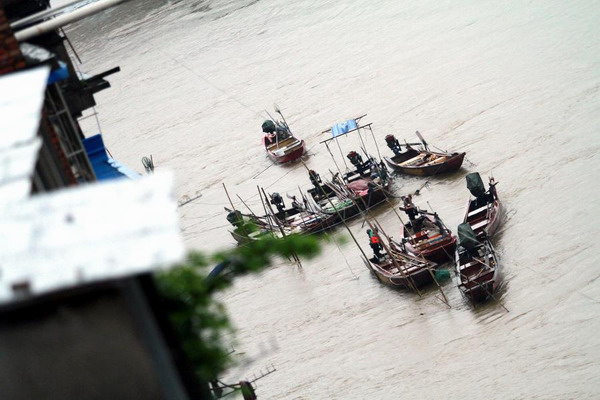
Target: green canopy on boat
[
  {"x": 475, "y": 184},
  {"x": 467, "y": 237}
]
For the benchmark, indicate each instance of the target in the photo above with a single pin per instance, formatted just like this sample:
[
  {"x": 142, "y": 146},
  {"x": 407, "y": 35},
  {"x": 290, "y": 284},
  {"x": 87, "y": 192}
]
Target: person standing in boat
[
  {"x": 315, "y": 179},
  {"x": 415, "y": 219},
  {"x": 375, "y": 243},
  {"x": 409, "y": 208}
]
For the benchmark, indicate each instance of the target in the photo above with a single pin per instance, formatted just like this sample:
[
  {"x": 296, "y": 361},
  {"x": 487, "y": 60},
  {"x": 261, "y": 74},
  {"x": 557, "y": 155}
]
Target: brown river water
[{"x": 515, "y": 84}]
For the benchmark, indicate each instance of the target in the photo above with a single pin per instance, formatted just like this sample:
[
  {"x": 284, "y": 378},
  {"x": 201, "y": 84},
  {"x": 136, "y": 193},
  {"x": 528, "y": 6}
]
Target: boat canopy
[
  {"x": 475, "y": 184},
  {"x": 343, "y": 127},
  {"x": 467, "y": 237}
]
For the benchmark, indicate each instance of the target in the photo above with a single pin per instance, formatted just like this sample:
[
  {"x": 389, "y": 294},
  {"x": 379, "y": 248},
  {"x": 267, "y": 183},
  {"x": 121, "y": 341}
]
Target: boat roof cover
[
  {"x": 104, "y": 166},
  {"x": 467, "y": 237},
  {"x": 475, "y": 184},
  {"x": 343, "y": 127}
]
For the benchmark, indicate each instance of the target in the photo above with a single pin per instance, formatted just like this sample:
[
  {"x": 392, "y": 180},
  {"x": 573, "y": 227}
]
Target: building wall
[{"x": 80, "y": 347}]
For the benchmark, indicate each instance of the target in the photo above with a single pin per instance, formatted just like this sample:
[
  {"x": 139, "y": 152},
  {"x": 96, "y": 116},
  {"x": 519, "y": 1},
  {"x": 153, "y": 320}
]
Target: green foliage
[{"x": 199, "y": 319}]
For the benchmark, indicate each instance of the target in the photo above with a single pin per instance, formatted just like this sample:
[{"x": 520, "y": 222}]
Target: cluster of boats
[{"x": 426, "y": 242}]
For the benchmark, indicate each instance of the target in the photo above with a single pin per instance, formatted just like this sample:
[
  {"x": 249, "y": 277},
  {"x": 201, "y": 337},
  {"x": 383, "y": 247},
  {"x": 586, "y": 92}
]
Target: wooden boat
[
  {"x": 426, "y": 235},
  {"x": 286, "y": 221},
  {"x": 279, "y": 142},
  {"x": 421, "y": 161},
  {"x": 355, "y": 192},
  {"x": 282, "y": 151},
  {"x": 476, "y": 265},
  {"x": 368, "y": 183},
  {"x": 484, "y": 210},
  {"x": 401, "y": 270},
  {"x": 247, "y": 228}
]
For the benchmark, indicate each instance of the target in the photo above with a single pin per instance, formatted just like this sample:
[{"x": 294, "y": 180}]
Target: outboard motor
[
  {"x": 383, "y": 171},
  {"x": 277, "y": 201},
  {"x": 315, "y": 179},
  {"x": 269, "y": 126},
  {"x": 296, "y": 204},
  {"x": 393, "y": 144},
  {"x": 235, "y": 218},
  {"x": 357, "y": 161}
]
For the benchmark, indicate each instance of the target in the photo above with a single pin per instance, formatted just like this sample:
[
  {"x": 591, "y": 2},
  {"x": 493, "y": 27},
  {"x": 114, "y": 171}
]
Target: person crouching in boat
[
  {"x": 269, "y": 128},
  {"x": 375, "y": 243}
]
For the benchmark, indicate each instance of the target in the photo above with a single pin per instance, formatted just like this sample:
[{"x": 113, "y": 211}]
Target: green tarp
[
  {"x": 467, "y": 237},
  {"x": 269, "y": 126},
  {"x": 475, "y": 184}
]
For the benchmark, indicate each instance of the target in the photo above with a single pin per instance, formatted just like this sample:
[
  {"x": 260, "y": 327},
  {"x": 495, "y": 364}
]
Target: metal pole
[
  {"x": 65, "y": 19},
  {"x": 375, "y": 141}
]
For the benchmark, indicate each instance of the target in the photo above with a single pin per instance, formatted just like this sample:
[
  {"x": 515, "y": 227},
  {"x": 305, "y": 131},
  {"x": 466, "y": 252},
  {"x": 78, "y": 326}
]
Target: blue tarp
[
  {"x": 59, "y": 74},
  {"x": 105, "y": 167},
  {"x": 343, "y": 127}
]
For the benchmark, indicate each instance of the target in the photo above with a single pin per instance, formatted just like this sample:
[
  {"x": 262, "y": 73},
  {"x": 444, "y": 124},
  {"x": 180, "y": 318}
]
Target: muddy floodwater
[{"x": 515, "y": 84}]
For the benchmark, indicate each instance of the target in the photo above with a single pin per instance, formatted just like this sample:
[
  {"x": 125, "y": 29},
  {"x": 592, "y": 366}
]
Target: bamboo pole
[
  {"x": 360, "y": 136},
  {"x": 249, "y": 209},
  {"x": 445, "y": 300},
  {"x": 294, "y": 255},
  {"x": 242, "y": 224},
  {"x": 267, "y": 215},
  {"x": 339, "y": 216},
  {"x": 375, "y": 141},
  {"x": 333, "y": 158}
]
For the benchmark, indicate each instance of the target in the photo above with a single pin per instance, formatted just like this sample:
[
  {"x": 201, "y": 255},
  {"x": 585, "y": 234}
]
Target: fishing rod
[{"x": 278, "y": 111}]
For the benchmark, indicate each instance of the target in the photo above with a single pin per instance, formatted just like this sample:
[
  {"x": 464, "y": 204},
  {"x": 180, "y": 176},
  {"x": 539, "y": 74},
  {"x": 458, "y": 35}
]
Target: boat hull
[
  {"x": 488, "y": 223},
  {"x": 441, "y": 252},
  {"x": 478, "y": 278},
  {"x": 290, "y": 156},
  {"x": 452, "y": 164},
  {"x": 415, "y": 273}
]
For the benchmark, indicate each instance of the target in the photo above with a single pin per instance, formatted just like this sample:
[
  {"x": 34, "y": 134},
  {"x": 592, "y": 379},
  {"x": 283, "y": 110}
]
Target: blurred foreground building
[{"x": 80, "y": 317}]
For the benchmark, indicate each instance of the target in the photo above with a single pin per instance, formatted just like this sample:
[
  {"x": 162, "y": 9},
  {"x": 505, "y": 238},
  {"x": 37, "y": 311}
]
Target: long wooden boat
[
  {"x": 355, "y": 192},
  {"x": 247, "y": 228},
  {"x": 484, "y": 209},
  {"x": 305, "y": 221},
  {"x": 426, "y": 235},
  {"x": 421, "y": 161},
  {"x": 402, "y": 270},
  {"x": 476, "y": 265},
  {"x": 286, "y": 221},
  {"x": 279, "y": 142}
]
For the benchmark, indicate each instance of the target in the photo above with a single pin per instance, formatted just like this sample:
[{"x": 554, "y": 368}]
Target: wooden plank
[{"x": 477, "y": 211}]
